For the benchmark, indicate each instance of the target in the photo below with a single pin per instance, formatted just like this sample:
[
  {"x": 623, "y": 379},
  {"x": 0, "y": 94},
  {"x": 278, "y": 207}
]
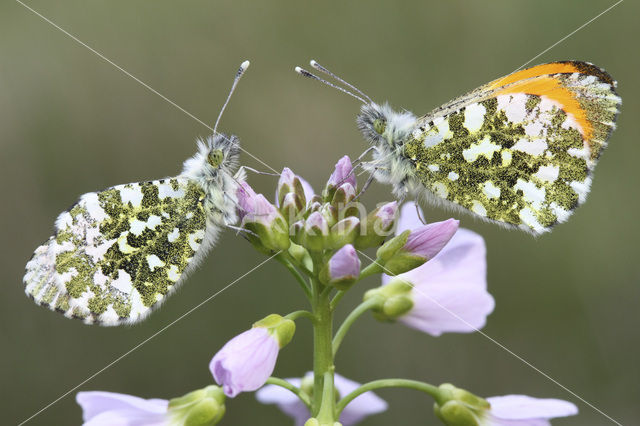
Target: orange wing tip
[{"x": 563, "y": 67}]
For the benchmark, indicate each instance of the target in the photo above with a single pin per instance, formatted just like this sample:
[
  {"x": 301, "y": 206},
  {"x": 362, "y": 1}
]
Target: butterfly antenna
[
  {"x": 307, "y": 74},
  {"x": 322, "y": 69},
  {"x": 241, "y": 70}
]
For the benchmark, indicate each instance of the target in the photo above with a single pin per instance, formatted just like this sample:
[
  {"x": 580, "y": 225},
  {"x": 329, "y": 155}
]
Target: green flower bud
[
  {"x": 394, "y": 300},
  {"x": 281, "y": 328},
  {"x": 459, "y": 407},
  {"x": 315, "y": 234},
  {"x": 344, "y": 232},
  {"x": 290, "y": 183},
  {"x": 330, "y": 214},
  {"x": 291, "y": 207},
  {"x": 377, "y": 226},
  {"x": 203, "y": 407}
]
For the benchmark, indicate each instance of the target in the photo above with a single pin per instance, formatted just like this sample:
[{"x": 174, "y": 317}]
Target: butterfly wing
[
  {"x": 521, "y": 149},
  {"x": 116, "y": 253}
]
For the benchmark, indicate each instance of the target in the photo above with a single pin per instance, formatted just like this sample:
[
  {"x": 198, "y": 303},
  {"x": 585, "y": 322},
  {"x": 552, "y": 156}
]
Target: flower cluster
[{"x": 433, "y": 279}]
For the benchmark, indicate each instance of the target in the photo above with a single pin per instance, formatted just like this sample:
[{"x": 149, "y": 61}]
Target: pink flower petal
[
  {"x": 362, "y": 406},
  {"x": 428, "y": 240},
  {"x": 525, "y": 408},
  {"x": 245, "y": 362},
  {"x": 344, "y": 263},
  {"x": 117, "y": 409},
  {"x": 342, "y": 173}
]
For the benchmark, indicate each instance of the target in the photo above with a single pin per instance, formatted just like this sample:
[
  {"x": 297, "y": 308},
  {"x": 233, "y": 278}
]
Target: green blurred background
[{"x": 70, "y": 123}]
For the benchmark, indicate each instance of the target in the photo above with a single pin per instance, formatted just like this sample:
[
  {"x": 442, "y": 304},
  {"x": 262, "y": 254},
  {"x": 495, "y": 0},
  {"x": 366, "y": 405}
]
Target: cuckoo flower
[
  {"x": 245, "y": 362},
  {"x": 363, "y": 406},
  {"x": 204, "y": 407},
  {"x": 446, "y": 294},
  {"x": 457, "y": 407},
  {"x": 343, "y": 268}
]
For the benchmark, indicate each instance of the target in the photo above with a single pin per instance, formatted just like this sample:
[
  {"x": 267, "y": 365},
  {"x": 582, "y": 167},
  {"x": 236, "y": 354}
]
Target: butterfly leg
[{"x": 419, "y": 213}]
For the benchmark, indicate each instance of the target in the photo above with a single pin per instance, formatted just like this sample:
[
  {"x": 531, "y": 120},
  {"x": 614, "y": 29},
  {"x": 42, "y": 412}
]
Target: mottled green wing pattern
[
  {"x": 523, "y": 155},
  {"x": 118, "y": 252}
]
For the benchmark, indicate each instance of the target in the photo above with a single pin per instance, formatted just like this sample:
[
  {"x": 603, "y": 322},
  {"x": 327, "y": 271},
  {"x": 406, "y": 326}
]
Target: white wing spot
[
  {"x": 474, "y": 117},
  {"x": 433, "y": 167},
  {"x": 131, "y": 195},
  {"x": 173, "y": 235},
  {"x": 490, "y": 190},
  {"x": 154, "y": 261},
  {"x": 453, "y": 176},
  {"x": 534, "y": 147},
  {"x": 548, "y": 173},
  {"x": 478, "y": 208},
  {"x": 484, "y": 147},
  {"x": 531, "y": 193}
]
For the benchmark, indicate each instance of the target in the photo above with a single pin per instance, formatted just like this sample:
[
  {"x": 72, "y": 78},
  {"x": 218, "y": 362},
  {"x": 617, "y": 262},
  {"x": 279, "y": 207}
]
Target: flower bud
[
  {"x": 246, "y": 200},
  {"x": 203, "y": 407},
  {"x": 281, "y": 328},
  {"x": 343, "y": 195},
  {"x": 342, "y": 174},
  {"x": 394, "y": 300},
  {"x": 315, "y": 234},
  {"x": 377, "y": 226},
  {"x": 458, "y": 407},
  {"x": 291, "y": 206},
  {"x": 268, "y": 226},
  {"x": 330, "y": 214},
  {"x": 245, "y": 362},
  {"x": 343, "y": 268},
  {"x": 411, "y": 249},
  {"x": 315, "y": 422},
  {"x": 289, "y": 183},
  {"x": 344, "y": 232}
]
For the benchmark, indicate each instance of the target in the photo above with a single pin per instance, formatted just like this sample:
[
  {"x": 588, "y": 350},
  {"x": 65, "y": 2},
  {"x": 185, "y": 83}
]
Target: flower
[
  {"x": 202, "y": 407},
  {"x": 363, "y": 406},
  {"x": 343, "y": 173},
  {"x": 288, "y": 183},
  {"x": 416, "y": 245},
  {"x": 245, "y": 362},
  {"x": 343, "y": 268},
  {"x": 456, "y": 406},
  {"x": 113, "y": 409},
  {"x": 446, "y": 294},
  {"x": 246, "y": 197},
  {"x": 377, "y": 225},
  {"x": 523, "y": 410},
  {"x": 268, "y": 228}
]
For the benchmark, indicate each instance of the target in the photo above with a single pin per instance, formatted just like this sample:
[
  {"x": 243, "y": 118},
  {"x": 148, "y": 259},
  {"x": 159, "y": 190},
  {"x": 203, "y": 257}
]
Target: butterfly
[
  {"x": 518, "y": 151},
  {"x": 116, "y": 254}
]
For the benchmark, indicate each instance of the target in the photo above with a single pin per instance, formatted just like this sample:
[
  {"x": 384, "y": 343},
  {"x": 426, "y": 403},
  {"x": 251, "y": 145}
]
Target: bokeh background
[{"x": 70, "y": 123}]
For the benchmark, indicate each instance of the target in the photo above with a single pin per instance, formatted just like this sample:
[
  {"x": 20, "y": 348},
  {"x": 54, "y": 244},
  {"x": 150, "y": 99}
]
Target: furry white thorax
[
  {"x": 220, "y": 187},
  {"x": 389, "y": 165}
]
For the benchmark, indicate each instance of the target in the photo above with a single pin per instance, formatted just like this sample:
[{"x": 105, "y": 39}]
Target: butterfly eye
[
  {"x": 215, "y": 158},
  {"x": 379, "y": 126}
]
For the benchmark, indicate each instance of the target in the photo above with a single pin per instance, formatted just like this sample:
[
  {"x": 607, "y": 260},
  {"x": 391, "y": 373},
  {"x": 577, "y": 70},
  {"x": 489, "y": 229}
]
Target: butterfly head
[
  {"x": 222, "y": 151},
  {"x": 382, "y": 126}
]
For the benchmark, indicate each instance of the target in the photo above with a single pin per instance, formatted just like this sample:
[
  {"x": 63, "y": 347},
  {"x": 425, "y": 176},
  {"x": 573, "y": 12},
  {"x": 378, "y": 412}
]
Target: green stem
[
  {"x": 327, "y": 410},
  {"x": 336, "y": 299},
  {"x": 371, "y": 269},
  {"x": 387, "y": 383},
  {"x": 323, "y": 353},
  {"x": 299, "y": 314},
  {"x": 351, "y": 318},
  {"x": 296, "y": 274},
  {"x": 288, "y": 386}
]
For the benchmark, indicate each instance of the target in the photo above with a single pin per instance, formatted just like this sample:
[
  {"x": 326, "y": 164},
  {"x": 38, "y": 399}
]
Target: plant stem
[
  {"x": 348, "y": 322},
  {"x": 336, "y": 299},
  {"x": 323, "y": 355},
  {"x": 297, "y": 391},
  {"x": 387, "y": 383},
  {"x": 371, "y": 269},
  {"x": 296, "y": 274},
  {"x": 299, "y": 314}
]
